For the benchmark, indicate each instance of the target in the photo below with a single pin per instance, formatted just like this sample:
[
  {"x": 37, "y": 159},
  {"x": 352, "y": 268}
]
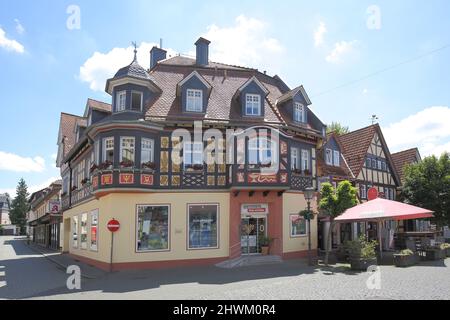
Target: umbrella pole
[{"x": 379, "y": 238}]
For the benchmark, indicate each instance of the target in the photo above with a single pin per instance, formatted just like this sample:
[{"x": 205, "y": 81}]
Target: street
[{"x": 26, "y": 274}]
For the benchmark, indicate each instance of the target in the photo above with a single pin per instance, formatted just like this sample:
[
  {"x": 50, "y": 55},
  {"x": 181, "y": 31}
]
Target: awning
[{"x": 382, "y": 209}]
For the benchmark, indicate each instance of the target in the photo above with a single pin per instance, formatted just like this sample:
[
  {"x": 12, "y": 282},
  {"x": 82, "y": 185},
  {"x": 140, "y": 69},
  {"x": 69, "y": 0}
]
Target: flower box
[
  {"x": 148, "y": 165},
  {"x": 405, "y": 258},
  {"x": 107, "y": 165}
]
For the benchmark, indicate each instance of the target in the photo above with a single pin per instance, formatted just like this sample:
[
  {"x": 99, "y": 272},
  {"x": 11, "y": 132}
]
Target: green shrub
[
  {"x": 406, "y": 252},
  {"x": 445, "y": 246},
  {"x": 362, "y": 248}
]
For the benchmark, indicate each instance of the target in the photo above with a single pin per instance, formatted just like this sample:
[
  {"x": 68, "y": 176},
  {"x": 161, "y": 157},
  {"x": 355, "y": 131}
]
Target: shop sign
[
  {"x": 54, "y": 206},
  {"x": 253, "y": 209}
]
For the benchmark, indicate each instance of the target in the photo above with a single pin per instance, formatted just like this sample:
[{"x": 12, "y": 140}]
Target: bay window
[
  {"x": 152, "y": 227},
  {"x": 194, "y": 100},
  {"x": 127, "y": 149},
  {"x": 295, "y": 159},
  {"x": 108, "y": 149},
  {"x": 253, "y": 104},
  {"x": 192, "y": 154},
  {"x": 305, "y": 160},
  {"x": 147, "y": 147},
  {"x": 203, "y": 226}
]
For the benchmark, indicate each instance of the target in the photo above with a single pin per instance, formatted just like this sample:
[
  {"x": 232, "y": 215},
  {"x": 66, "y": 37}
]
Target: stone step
[{"x": 249, "y": 261}]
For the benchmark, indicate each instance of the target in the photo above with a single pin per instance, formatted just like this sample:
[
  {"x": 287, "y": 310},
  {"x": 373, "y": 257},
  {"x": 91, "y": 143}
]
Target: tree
[
  {"x": 337, "y": 128},
  {"x": 19, "y": 206},
  {"x": 427, "y": 185},
  {"x": 333, "y": 203}
]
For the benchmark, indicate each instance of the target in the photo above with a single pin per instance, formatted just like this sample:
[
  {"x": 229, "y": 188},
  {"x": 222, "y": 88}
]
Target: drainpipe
[{"x": 70, "y": 186}]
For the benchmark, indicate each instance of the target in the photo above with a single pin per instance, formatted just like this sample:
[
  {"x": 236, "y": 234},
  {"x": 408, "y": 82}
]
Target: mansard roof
[{"x": 402, "y": 158}]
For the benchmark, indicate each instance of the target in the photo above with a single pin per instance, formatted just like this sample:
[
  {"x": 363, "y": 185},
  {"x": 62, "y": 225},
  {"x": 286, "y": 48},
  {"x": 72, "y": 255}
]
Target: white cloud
[
  {"x": 31, "y": 188},
  {"x": 428, "y": 130},
  {"x": 341, "y": 49},
  {"x": 19, "y": 27},
  {"x": 245, "y": 43},
  {"x": 102, "y": 66},
  {"x": 365, "y": 91},
  {"x": 16, "y": 163},
  {"x": 319, "y": 34},
  {"x": 9, "y": 44}
]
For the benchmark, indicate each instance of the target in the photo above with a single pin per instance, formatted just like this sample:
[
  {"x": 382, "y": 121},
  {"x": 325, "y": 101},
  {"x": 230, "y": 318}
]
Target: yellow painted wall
[
  {"x": 294, "y": 202},
  {"x": 122, "y": 207}
]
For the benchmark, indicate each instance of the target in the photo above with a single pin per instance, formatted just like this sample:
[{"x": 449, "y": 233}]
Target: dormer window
[
  {"x": 299, "y": 112},
  {"x": 328, "y": 157},
  {"x": 194, "y": 100},
  {"x": 336, "y": 158},
  {"x": 136, "y": 101},
  {"x": 252, "y": 104},
  {"x": 120, "y": 100}
]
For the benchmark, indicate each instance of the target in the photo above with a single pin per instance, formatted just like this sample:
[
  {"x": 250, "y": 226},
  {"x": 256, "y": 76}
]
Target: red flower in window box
[
  {"x": 126, "y": 164},
  {"x": 105, "y": 165},
  {"x": 148, "y": 165}
]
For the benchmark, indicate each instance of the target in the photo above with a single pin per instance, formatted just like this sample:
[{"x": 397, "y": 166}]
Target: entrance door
[{"x": 252, "y": 229}]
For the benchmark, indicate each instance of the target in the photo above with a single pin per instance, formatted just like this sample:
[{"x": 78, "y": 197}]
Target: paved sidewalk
[{"x": 64, "y": 260}]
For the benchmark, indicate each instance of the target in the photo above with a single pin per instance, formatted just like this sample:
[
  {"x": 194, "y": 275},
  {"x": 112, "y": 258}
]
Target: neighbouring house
[
  {"x": 362, "y": 157},
  {"x": 401, "y": 160},
  {"x": 5, "y": 222},
  {"x": 197, "y": 161},
  {"x": 45, "y": 217}
]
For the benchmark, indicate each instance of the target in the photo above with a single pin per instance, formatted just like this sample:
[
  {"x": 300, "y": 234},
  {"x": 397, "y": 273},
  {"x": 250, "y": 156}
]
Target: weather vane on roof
[{"x": 135, "y": 48}]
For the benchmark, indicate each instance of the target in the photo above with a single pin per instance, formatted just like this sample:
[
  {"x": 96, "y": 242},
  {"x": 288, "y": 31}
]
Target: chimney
[
  {"x": 202, "y": 51},
  {"x": 156, "y": 54}
]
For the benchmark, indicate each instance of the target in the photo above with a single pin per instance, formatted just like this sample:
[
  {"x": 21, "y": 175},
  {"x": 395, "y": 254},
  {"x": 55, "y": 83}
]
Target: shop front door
[{"x": 252, "y": 229}]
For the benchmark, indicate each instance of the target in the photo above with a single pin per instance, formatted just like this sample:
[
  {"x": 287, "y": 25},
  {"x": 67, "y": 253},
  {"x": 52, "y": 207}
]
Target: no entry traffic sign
[{"x": 113, "y": 225}]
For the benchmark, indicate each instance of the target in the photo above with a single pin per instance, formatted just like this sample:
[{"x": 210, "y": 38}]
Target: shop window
[
  {"x": 298, "y": 226},
  {"x": 94, "y": 230},
  {"x": 75, "y": 232},
  {"x": 152, "y": 228},
  {"x": 203, "y": 225},
  {"x": 83, "y": 231}
]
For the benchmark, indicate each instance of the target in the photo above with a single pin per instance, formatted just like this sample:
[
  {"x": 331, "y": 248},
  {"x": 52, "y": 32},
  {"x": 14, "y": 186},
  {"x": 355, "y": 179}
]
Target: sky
[{"x": 355, "y": 59}]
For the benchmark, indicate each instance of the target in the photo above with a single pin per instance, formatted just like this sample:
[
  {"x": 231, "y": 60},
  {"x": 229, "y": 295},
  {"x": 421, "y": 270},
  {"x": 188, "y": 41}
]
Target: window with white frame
[
  {"x": 299, "y": 112},
  {"x": 305, "y": 160},
  {"x": 192, "y": 153},
  {"x": 147, "y": 147},
  {"x": 363, "y": 192},
  {"x": 120, "y": 100},
  {"x": 379, "y": 164},
  {"x": 298, "y": 226},
  {"x": 203, "y": 226},
  {"x": 97, "y": 152},
  {"x": 127, "y": 149},
  {"x": 194, "y": 100},
  {"x": 253, "y": 104},
  {"x": 136, "y": 100},
  {"x": 295, "y": 159},
  {"x": 336, "y": 158},
  {"x": 108, "y": 149},
  {"x": 259, "y": 151},
  {"x": 80, "y": 173},
  {"x": 374, "y": 163},
  {"x": 329, "y": 157}
]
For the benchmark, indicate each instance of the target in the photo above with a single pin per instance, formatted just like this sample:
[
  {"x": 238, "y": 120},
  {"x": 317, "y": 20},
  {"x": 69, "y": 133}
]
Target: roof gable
[
  {"x": 189, "y": 77},
  {"x": 403, "y": 158},
  {"x": 291, "y": 94},
  {"x": 257, "y": 82}
]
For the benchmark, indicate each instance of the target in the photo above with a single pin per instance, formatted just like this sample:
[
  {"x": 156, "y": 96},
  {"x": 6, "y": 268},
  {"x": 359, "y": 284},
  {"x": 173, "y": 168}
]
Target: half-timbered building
[{"x": 198, "y": 161}]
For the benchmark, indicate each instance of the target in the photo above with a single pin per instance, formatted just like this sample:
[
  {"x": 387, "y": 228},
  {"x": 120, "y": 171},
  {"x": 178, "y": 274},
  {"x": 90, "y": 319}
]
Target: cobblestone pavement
[{"x": 289, "y": 280}]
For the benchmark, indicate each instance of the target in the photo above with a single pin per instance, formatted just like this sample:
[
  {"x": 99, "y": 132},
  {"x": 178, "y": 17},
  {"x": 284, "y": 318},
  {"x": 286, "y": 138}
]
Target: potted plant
[
  {"x": 362, "y": 253},
  {"x": 405, "y": 258},
  {"x": 446, "y": 248},
  {"x": 435, "y": 253},
  {"x": 264, "y": 242}
]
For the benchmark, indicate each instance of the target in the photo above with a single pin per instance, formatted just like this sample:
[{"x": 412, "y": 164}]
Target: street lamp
[{"x": 309, "y": 194}]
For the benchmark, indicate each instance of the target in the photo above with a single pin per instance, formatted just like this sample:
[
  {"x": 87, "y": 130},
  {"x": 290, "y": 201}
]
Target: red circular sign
[
  {"x": 372, "y": 194},
  {"x": 113, "y": 225}
]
